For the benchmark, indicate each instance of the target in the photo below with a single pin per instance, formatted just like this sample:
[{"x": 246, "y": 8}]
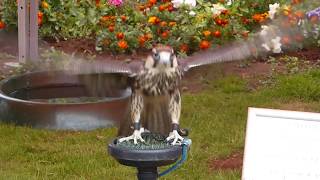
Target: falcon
[{"x": 156, "y": 100}]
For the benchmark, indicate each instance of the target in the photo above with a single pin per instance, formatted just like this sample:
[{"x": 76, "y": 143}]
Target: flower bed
[{"x": 124, "y": 26}]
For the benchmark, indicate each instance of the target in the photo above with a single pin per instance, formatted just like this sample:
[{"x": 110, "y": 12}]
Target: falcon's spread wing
[
  {"x": 231, "y": 52},
  {"x": 102, "y": 78},
  {"x": 79, "y": 66}
]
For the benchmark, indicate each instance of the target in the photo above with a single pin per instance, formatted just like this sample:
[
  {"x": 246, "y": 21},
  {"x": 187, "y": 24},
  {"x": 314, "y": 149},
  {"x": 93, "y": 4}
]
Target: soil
[{"x": 232, "y": 162}]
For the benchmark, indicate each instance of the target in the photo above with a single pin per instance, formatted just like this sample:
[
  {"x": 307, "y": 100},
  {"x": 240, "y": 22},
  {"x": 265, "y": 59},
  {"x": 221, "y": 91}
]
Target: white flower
[
  {"x": 192, "y": 13},
  {"x": 264, "y": 30},
  {"x": 217, "y": 9},
  {"x": 273, "y": 45},
  {"x": 178, "y": 3},
  {"x": 273, "y": 9},
  {"x": 276, "y": 45},
  {"x": 229, "y": 2}
]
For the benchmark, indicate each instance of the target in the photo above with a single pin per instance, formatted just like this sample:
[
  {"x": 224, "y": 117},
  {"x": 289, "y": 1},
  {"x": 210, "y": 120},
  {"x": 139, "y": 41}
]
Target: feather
[
  {"x": 80, "y": 66},
  {"x": 230, "y": 52},
  {"x": 155, "y": 117}
]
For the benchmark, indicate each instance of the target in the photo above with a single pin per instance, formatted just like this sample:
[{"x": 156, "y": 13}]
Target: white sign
[{"x": 282, "y": 145}]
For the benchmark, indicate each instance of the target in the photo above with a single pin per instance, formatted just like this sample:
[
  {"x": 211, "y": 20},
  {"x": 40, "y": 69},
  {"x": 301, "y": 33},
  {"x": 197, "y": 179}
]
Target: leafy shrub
[{"x": 140, "y": 24}]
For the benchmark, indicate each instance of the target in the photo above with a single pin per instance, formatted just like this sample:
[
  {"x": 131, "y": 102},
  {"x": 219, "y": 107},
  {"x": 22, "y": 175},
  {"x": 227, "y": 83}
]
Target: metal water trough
[{"x": 25, "y": 100}]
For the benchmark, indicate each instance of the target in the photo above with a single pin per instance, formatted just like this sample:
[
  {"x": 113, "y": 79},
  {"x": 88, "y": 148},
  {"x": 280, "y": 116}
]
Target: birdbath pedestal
[{"x": 146, "y": 157}]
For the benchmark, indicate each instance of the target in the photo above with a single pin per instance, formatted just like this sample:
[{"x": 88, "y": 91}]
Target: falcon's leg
[
  {"x": 175, "y": 111},
  {"x": 136, "y": 109}
]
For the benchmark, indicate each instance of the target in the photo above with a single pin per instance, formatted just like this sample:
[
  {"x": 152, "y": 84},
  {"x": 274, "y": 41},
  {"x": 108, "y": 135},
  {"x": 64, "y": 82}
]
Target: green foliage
[
  {"x": 177, "y": 27},
  {"x": 89, "y": 19}
]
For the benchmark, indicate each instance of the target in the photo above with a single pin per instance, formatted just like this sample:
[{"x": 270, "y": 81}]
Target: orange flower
[
  {"x": 163, "y": 24},
  {"x": 172, "y": 23},
  {"x": 148, "y": 36},
  {"x": 142, "y": 40},
  {"x": 44, "y": 5},
  {"x": 2, "y": 25},
  {"x": 162, "y": 7},
  {"x": 287, "y": 10},
  {"x": 153, "y": 20},
  {"x": 259, "y": 17},
  {"x": 40, "y": 18},
  {"x": 206, "y": 33},
  {"x": 105, "y": 18},
  {"x": 123, "y": 44},
  {"x": 123, "y": 18},
  {"x": 120, "y": 35},
  {"x": 204, "y": 44},
  {"x": 299, "y": 14},
  {"x": 152, "y": 2},
  {"x": 40, "y": 14}
]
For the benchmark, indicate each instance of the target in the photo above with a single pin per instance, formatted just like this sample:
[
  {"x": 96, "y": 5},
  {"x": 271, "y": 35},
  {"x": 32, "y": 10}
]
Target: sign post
[
  {"x": 28, "y": 30},
  {"x": 282, "y": 145}
]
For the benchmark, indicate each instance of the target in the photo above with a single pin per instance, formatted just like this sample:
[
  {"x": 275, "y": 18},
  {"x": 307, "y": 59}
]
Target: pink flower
[{"x": 116, "y": 2}]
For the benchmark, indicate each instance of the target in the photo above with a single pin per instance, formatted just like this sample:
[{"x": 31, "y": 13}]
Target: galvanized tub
[{"x": 27, "y": 100}]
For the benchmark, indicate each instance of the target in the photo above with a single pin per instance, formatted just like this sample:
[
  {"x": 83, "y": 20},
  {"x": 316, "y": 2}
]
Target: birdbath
[{"x": 150, "y": 155}]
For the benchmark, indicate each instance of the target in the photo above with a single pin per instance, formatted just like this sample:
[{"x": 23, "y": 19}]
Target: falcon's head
[{"x": 161, "y": 57}]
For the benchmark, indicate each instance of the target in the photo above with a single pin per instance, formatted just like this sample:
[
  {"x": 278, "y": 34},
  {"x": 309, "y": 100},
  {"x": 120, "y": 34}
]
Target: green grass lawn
[{"x": 216, "y": 116}]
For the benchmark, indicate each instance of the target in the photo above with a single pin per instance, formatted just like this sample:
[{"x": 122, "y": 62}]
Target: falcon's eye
[{"x": 156, "y": 56}]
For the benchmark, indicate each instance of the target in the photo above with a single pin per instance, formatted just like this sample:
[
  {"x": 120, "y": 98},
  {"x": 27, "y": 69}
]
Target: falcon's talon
[
  {"x": 135, "y": 136},
  {"x": 177, "y": 139}
]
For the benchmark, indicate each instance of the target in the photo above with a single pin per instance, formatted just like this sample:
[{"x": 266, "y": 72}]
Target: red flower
[
  {"x": 204, "y": 44},
  {"x": 184, "y": 48},
  {"x": 111, "y": 28},
  {"x": 217, "y": 34},
  {"x": 120, "y": 35},
  {"x": 165, "y": 34},
  {"x": 2, "y": 25}
]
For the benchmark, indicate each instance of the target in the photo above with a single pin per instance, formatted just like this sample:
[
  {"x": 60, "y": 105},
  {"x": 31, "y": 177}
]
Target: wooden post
[
  {"x": 28, "y": 30},
  {"x": 23, "y": 30},
  {"x": 33, "y": 41}
]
